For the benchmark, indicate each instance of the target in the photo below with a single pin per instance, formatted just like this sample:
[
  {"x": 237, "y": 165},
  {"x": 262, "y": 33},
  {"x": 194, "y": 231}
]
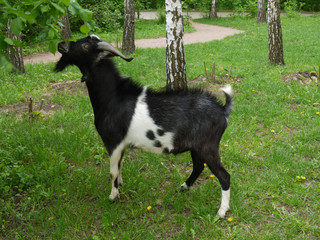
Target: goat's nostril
[{"x": 63, "y": 47}]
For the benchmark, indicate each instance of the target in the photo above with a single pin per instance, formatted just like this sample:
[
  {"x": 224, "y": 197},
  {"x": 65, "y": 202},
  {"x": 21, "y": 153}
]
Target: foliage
[
  {"x": 108, "y": 14},
  {"x": 44, "y": 13},
  {"x": 292, "y": 7},
  {"x": 161, "y": 16}
]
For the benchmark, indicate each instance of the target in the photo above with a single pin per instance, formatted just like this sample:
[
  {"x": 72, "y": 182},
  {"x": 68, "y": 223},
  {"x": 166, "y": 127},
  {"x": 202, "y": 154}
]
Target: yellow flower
[
  {"x": 317, "y": 113},
  {"x": 303, "y": 178},
  {"x": 149, "y": 208},
  {"x": 212, "y": 176},
  {"x": 298, "y": 177},
  {"x": 272, "y": 131},
  {"x": 204, "y": 164},
  {"x": 226, "y": 145},
  {"x": 230, "y": 219}
]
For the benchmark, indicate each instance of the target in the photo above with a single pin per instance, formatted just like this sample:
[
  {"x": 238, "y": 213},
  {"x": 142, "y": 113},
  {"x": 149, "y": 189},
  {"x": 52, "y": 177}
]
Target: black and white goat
[{"x": 128, "y": 115}]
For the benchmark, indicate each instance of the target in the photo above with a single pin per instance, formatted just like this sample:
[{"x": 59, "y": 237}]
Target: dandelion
[
  {"x": 302, "y": 112},
  {"x": 317, "y": 113},
  {"x": 230, "y": 219},
  {"x": 303, "y": 178},
  {"x": 226, "y": 145},
  {"x": 149, "y": 208},
  {"x": 212, "y": 176},
  {"x": 298, "y": 177},
  {"x": 204, "y": 164},
  {"x": 272, "y": 131}
]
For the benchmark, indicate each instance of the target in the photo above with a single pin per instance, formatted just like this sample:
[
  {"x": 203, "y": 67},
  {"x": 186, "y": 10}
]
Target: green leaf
[
  {"x": 66, "y": 2},
  {"x": 85, "y": 15},
  {"x": 56, "y": 6},
  {"x": 51, "y": 34},
  {"x": 84, "y": 29},
  {"x": 9, "y": 41},
  {"x": 53, "y": 46},
  {"x": 16, "y": 26},
  {"x": 45, "y": 8}
]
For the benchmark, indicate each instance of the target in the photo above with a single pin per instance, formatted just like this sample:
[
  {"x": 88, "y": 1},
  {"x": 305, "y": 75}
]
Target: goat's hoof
[
  {"x": 222, "y": 212},
  {"x": 114, "y": 195},
  {"x": 184, "y": 187}
]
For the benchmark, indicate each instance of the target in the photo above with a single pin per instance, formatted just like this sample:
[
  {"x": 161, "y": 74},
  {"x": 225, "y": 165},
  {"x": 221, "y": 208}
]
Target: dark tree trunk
[
  {"x": 213, "y": 11},
  {"x": 262, "y": 11},
  {"x": 128, "y": 46},
  {"x": 65, "y": 30},
  {"x": 15, "y": 53},
  {"x": 275, "y": 33},
  {"x": 175, "y": 63}
]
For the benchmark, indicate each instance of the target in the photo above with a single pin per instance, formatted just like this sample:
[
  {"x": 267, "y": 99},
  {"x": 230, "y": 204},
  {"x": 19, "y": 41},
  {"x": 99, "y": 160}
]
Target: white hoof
[
  {"x": 222, "y": 212},
  {"x": 184, "y": 186},
  {"x": 114, "y": 194}
]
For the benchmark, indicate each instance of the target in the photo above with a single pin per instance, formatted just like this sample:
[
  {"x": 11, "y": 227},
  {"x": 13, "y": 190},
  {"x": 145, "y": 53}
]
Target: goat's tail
[{"x": 227, "y": 89}]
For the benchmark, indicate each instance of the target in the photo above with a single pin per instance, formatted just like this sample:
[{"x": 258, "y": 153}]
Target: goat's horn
[{"x": 105, "y": 46}]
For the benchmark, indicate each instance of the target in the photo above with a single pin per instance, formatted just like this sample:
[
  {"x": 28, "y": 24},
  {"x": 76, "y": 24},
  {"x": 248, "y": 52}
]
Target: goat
[{"x": 129, "y": 115}]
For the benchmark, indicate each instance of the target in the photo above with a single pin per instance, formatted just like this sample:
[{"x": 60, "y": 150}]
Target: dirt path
[{"x": 203, "y": 33}]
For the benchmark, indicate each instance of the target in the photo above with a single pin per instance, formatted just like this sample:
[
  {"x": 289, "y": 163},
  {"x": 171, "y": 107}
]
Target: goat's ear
[{"x": 85, "y": 47}]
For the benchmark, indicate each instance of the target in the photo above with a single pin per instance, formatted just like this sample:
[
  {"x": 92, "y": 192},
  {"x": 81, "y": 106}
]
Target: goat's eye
[{"x": 85, "y": 47}]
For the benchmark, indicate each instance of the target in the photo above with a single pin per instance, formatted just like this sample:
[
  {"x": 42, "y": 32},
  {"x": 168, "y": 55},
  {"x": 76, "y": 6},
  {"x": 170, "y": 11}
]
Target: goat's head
[{"x": 85, "y": 52}]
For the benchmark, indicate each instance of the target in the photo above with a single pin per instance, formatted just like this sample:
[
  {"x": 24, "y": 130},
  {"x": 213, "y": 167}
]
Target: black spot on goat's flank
[
  {"x": 157, "y": 144},
  {"x": 150, "y": 135},
  {"x": 160, "y": 132}
]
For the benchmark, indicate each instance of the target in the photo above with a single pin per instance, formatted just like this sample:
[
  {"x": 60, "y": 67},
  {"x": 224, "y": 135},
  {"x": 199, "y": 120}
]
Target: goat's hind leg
[
  {"x": 223, "y": 176},
  {"x": 197, "y": 169},
  {"x": 115, "y": 174}
]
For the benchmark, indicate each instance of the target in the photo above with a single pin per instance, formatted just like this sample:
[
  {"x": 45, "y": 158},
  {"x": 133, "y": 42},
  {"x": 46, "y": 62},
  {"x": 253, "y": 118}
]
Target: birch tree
[
  {"x": 128, "y": 46},
  {"x": 262, "y": 11},
  {"x": 175, "y": 61},
  {"x": 213, "y": 11},
  {"x": 15, "y": 52},
  {"x": 275, "y": 33},
  {"x": 65, "y": 29}
]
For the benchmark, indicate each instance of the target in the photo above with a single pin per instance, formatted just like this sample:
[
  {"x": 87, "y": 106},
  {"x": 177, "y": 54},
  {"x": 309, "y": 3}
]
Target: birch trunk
[
  {"x": 175, "y": 62},
  {"x": 275, "y": 33},
  {"x": 128, "y": 46},
  {"x": 262, "y": 11},
  {"x": 65, "y": 30},
  {"x": 213, "y": 11},
  {"x": 15, "y": 53}
]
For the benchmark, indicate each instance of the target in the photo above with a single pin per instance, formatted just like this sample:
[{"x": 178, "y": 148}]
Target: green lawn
[{"x": 54, "y": 170}]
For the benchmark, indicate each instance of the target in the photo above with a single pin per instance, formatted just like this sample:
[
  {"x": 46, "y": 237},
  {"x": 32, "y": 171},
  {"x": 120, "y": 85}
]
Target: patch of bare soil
[
  {"x": 304, "y": 78},
  {"x": 211, "y": 85},
  {"x": 44, "y": 107}
]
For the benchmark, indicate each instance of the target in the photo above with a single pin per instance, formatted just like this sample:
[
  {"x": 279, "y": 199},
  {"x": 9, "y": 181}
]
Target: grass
[{"x": 54, "y": 171}]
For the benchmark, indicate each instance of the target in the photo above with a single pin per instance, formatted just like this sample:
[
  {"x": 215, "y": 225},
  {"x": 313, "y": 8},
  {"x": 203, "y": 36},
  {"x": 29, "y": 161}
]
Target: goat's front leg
[{"x": 116, "y": 178}]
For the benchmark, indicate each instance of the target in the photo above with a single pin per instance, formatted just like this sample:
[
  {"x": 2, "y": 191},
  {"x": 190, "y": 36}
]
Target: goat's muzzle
[{"x": 63, "y": 47}]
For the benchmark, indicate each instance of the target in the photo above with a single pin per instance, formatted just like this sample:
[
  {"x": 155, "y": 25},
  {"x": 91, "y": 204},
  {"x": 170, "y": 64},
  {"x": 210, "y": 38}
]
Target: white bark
[
  {"x": 275, "y": 33},
  {"x": 175, "y": 62},
  {"x": 128, "y": 46},
  {"x": 213, "y": 11},
  {"x": 261, "y": 13},
  {"x": 15, "y": 54}
]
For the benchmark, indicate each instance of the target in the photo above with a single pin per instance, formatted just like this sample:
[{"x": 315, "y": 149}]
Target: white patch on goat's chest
[{"x": 144, "y": 133}]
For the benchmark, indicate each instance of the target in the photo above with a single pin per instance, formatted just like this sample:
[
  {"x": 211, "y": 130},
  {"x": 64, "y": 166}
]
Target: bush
[{"x": 108, "y": 15}]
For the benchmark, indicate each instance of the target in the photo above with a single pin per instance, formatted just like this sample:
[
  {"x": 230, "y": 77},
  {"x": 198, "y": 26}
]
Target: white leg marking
[
  {"x": 114, "y": 170},
  {"x": 184, "y": 186},
  {"x": 225, "y": 200}
]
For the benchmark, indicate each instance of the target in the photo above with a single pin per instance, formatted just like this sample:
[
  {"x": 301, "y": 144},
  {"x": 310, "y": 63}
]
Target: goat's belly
[{"x": 151, "y": 142}]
